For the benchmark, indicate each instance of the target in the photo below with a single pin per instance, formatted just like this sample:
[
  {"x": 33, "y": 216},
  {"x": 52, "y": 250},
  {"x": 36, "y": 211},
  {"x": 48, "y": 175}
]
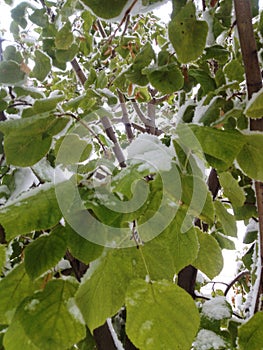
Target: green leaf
[
  {"x": 105, "y": 8},
  {"x": 28, "y": 140},
  {"x": 187, "y": 35},
  {"x": 18, "y": 14},
  {"x": 198, "y": 198},
  {"x": 203, "y": 78},
  {"x": 16, "y": 338},
  {"x": 250, "y": 158},
  {"x": 234, "y": 71},
  {"x": 254, "y": 107},
  {"x": 15, "y": 286},
  {"x": 12, "y": 54},
  {"x": 151, "y": 320},
  {"x": 166, "y": 79},
  {"x": 217, "y": 52},
  {"x": 64, "y": 37},
  {"x": 70, "y": 149},
  {"x": 232, "y": 189},
  {"x": 227, "y": 220},
  {"x": 209, "y": 260},
  {"x": 47, "y": 250},
  {"x": 144, "y": 57},
  {"x": 173, "y": 249},
  {"x": 54, "y": 313},
  {"x": 39, "y": 17},
  {"x": 11, "y": 73},
  {"x": 67, "y": 55},
  {"x": 37, "y": 210},
  {"x": 42, "y": 65},
  {"x": 250, "y": 334},
  {"x": 115, "y": 270},
  {"x": 81, "y": 248},
  {"x": 219, "y": 146},
  {"x": 2, "y": 256},
  {"x": 223, "y": 241},
  {"x": 47, "y": 104}
]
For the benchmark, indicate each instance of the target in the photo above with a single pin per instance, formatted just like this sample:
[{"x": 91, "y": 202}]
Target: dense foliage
[{"x": 127, "y": 158}]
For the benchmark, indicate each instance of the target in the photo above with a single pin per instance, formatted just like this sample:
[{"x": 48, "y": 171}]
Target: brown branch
[
  {"x": 79, "y": 72},
  {"x": 254, "y": 84},
  {"x": 124, "y": 19},
  {"x": 236, "y": 279},
  {"x": 125, "y": 117},
  {"x": 101, "y": 29},
  {"x": 116, "y": 147}
]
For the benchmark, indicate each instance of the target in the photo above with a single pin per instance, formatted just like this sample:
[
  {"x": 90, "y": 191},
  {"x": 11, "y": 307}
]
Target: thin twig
[
  {"x": 126, "y": 25},
  {"x": 101, "y": 29},
  {"x": 82, "y": 122},
  {"x": 127, "y": 13},
  {"x": 238, "y": 277}
]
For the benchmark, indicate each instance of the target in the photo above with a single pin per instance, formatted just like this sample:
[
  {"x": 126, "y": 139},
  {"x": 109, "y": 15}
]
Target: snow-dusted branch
[
  {"x": 111, "y": 135},
  {"x": 125, "y": 117}
]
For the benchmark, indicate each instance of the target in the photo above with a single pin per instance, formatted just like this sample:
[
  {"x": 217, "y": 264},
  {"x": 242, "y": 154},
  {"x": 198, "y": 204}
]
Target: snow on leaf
[
  {"x": 216, "y": 308},
  {"x": 207, "y": 340},
  {"x": 148, "y": 151}
]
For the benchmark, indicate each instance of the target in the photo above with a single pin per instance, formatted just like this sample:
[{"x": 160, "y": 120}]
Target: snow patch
[
  {"x": 32, "y": 305},
  {"x": 148, "y": 151},
  {"x": 207, "y": 340},
  {"x": 216, "y": 308}
]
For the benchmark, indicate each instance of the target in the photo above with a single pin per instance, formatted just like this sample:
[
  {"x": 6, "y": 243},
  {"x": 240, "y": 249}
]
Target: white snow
[
  {"x": 148, "y": 151},
  {"x": 32, "y": 305},
  {"x": 252, "y": 226},
  {"x": 216, "y": 308},
  {"x": 24, "y": 179},
  {"x": 44, "y": 170},
  {"x": 207, "y": 340},
  {"x": 115, "y": 338}
]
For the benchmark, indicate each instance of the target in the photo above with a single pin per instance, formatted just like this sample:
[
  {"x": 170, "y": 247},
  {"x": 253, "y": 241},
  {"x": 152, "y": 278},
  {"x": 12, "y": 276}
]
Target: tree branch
[
  {"x": 125, "y": 117},
  {"x": 111, "y": 134},
  {"x": 236, "y": 279},
  {"x": 254, "y": 84},
  {"x": 79, "y": 72}
]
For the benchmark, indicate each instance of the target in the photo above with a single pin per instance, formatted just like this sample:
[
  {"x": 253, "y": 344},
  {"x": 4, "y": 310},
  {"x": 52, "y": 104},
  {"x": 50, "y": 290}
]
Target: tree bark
[{"x": 254, "y": 84}]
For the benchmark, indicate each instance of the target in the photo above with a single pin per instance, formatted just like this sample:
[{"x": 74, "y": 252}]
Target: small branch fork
[{"x": 254, "y": 84}]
